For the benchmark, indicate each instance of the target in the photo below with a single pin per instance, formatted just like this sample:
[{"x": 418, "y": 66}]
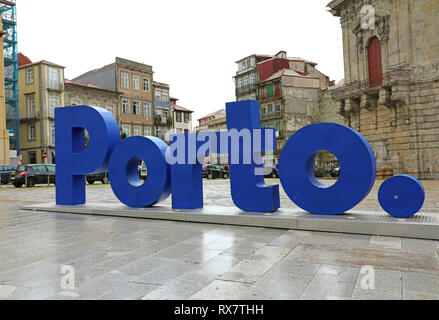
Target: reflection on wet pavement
[{"x": 122, "y": 258}]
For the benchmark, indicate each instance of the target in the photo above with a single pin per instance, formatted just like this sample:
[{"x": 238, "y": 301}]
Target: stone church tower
[{"x": 391, "y": 89}]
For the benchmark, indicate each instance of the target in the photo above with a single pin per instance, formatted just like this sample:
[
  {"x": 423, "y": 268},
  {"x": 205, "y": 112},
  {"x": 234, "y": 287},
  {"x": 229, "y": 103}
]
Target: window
[
  {"x": 178, "y": 116},
  {"x": 136, "y": 108},
  {"x": 126, "y": 106},
  {"x": 158, "y": 132},
  {"x": 30, "y": 76},
  {"x": 31, "y": 106},
  {"x": 147, "y": 132},
  {"x": 277, "y": 108},
  {"x": 137, "y": 130},
  {"x": 252, "y": 79},
  {"x": 145, "y": 85},
  {"x": 249, "y": 63},
  {"x": 187, "y": 117},
  {"x": 126, "y": 128},
  {"x": 165, "y": 96},
  {"x": 52, "y": 134},
  {"x": 53, "y": 103},
  {"x": 375, "y": 63},
  {"x": 245, "y": 81},
  {"x": 277, "y": 89},
  {"x": 124, "y": 80},
  {"x": 263, "y": 93},
  {"x": 136, "y": 82},
  {"x": 54, "y": 79},
  {"x": 270, "y": 108},
  {"x": 240, "y": 83},
  {"x": 32, "y": 157},
  {"x": 157, "y": 95},
  {"x": 147, "y": 110},
  {"x": 31, "y": 132}
]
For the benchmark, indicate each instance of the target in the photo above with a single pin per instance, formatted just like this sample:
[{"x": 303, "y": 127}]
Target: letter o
[
  {"x": 124, "y": 176},
  {"x": 357, "y": 168}
]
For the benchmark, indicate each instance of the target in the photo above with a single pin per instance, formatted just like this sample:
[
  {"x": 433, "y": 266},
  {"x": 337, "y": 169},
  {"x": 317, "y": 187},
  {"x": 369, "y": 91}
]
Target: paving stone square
[{"x": 119, "y": 258}]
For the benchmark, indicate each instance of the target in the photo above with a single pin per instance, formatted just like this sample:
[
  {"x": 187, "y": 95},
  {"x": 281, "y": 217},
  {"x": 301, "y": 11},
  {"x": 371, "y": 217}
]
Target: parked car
[
  {"x": 102, "y": 177},
  {"x": 270, "y": 172},
  {"x": 211, "y": 171},
  {"x": 5, "y": 173},
  {"x": 318, "y": 173},
  {"x": 33, "y": 174},
  {"x": 143, "y": 171},
  {"x": 336, "y": 172}
]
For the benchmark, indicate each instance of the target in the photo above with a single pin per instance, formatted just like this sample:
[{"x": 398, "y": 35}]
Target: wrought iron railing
[
  {"x": 269, "y": 115},
  {"x": 355, "y": 87},
  {"x": 245, "y": 89}
]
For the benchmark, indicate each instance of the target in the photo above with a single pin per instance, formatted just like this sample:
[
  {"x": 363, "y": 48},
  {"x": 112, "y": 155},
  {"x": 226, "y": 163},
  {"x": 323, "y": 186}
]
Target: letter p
[{"x": 73, "y": 160}]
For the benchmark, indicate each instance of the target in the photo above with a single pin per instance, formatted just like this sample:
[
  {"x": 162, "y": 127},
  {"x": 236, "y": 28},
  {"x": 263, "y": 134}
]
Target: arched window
[{"x": 375, "y": 63}]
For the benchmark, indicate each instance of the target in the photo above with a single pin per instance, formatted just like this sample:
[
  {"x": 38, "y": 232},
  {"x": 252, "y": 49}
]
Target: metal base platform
[{"x": 422, "y": 226}]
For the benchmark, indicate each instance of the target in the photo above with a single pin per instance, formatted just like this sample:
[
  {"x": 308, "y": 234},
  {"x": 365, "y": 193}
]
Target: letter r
[{"x": 73, "y": 162}]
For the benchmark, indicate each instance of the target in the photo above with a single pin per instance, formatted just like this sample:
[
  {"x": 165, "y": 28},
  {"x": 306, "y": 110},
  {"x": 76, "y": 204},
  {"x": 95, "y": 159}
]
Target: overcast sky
[{"x": 191, "y": 44}]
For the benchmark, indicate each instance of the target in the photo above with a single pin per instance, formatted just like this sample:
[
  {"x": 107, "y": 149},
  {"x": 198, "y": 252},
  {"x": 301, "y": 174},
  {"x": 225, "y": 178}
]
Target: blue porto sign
[{"x": 176, "y": 170}]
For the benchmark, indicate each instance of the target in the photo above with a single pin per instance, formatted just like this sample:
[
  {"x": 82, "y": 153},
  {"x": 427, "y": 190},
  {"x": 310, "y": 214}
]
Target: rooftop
[
  {"x": 219, "y": 113},
  {"x": 86, "y": 85},
  {"x": 178, "y": 108},
  {"x": 24, "y": 61},
  {"x": 289, "y": 73}
]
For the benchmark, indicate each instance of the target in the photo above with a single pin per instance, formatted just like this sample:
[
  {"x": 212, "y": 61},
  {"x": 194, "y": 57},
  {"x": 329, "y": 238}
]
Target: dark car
[
  {"x": 5, "y": 173},
  {"x": 102, "y": 177},
  {"x": 33, "y": 174},
  {"x": 335, "y": 173},
  {"x": 211, "y": 171},
  {"x": 319, "y": 173}
]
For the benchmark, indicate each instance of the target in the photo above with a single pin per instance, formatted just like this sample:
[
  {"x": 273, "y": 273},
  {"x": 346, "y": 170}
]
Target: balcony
[
  {"x": 162, "y": 121},
  {"x": 355, "y": 88},
  {"x": 246, "y": 89},
  {"x": 271, "y": 115}
]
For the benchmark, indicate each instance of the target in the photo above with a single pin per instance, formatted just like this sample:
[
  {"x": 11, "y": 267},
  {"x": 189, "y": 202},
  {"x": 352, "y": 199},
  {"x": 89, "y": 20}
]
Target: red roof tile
[{"x": 23, "y": 60}]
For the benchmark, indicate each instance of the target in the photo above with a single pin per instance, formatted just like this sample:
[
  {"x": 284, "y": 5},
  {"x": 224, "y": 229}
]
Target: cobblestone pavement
[{"x": 122, "y": 258}]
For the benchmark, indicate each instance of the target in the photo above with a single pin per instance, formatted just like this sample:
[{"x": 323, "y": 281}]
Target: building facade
[
  {"x": 290, "y": 92},
  {"x": 162, "y": 111},
  {"x": 391, "y": 88},
  {"x": 182, "y": 118},
  {"x": 134, "y": 80},
  {"x": 214, "y": 121},
  {"x": 76, "y": 94},
  {"x": 41, "y": 90},
  {"x": 247, "y": 77}
]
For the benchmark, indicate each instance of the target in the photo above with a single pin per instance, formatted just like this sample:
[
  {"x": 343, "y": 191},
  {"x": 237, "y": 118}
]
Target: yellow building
[
  {"x": 41, "y": 90},
  {"x": 4, "y": 134}
]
